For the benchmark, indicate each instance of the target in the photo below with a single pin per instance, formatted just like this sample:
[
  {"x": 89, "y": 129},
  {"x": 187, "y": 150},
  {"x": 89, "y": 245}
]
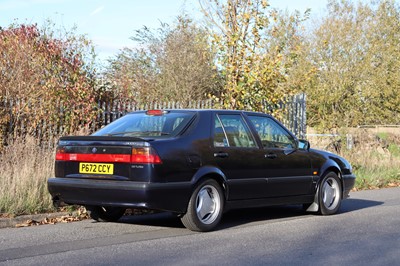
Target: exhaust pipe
[{"x": 57, "y": 202}]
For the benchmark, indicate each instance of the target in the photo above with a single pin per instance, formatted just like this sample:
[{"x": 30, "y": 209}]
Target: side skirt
[{"x": 239, "y": 204}]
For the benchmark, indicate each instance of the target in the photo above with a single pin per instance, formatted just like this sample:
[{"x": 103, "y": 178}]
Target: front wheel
[
  {"x": 105, "y": 214},
  {"x": 205, "y": 207},
  {"x": 329, "y": 194}
]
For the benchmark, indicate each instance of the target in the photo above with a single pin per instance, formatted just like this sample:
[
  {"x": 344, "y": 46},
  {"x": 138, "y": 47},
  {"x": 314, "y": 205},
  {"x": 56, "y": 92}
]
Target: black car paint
[{"x": 244, "y": 173}]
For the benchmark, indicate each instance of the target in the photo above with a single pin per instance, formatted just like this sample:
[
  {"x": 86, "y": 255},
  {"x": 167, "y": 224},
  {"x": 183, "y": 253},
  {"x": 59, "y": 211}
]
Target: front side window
[
  {"x": 232, "y": 131},
  {"x": 272, "y": 134}
]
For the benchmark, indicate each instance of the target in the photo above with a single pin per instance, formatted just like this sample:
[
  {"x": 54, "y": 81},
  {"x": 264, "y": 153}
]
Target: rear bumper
[
  {"x": 158, "y": 196},
  {"x": 348, "y": 183}
]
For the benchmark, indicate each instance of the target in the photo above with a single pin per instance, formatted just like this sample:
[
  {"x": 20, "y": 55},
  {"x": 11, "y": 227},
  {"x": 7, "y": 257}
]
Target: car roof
[{"x": 206, "y": 111}]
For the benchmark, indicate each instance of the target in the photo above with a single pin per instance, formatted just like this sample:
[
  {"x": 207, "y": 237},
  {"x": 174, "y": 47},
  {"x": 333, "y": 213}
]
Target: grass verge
[
  {"x": 376, "y": 178},
  {"x": 376, "y": 160},
  {"x": 25, "y": 167},
  {"x": 375, "y": 157}
]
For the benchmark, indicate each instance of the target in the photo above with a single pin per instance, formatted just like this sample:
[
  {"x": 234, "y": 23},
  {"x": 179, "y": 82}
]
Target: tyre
[
  {"x": 205, "y": 207},
  {"x": 105, "y": 214},
  {"x": 329, "y": 194}
]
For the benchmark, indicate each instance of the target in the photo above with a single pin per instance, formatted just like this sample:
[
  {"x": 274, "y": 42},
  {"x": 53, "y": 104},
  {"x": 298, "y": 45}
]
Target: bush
[{"x": 46, "y": 77}]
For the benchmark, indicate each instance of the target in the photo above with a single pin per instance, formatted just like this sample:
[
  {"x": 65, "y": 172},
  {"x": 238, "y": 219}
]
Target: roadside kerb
[{"x": 12, "y": 222}]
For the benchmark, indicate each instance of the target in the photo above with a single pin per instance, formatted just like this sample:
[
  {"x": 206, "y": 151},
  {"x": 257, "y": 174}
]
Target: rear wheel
[
  {"x": 329, "y": 194},
  {"x": 205, "y": 207},
  {"x": 105, "y": 214}
]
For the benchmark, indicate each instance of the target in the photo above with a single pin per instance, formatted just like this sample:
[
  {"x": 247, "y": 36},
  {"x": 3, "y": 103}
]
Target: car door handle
[
  {"x": 271, "y": 156},
  {"x": 221, "y": 154}
]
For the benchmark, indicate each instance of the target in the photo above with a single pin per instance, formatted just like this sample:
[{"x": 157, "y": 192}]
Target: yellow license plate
[{"x": 96, "y": 168}]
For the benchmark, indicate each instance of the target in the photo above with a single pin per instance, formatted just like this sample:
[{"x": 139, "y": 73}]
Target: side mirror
[{"x": 303, "y": 145}]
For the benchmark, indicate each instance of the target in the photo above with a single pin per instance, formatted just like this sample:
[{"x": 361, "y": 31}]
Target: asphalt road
[{"x": 365, "y": 232}]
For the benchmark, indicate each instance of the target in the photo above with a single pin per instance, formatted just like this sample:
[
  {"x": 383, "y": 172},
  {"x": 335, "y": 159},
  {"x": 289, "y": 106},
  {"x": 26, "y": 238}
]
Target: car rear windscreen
[{"x": 148, "y": 124}]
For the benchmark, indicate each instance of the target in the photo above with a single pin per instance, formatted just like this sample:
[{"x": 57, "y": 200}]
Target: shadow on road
[
  {"x": 232, "y": 218},
  {"x": 349, "y": 205},
  {"x": 241, "y": 217},
  {"x": 163, "y": 219}
]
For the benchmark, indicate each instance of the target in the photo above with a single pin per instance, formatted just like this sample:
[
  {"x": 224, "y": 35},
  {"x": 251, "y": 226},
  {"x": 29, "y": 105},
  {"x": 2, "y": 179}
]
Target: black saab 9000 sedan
[{"x": 197, "y": 164}]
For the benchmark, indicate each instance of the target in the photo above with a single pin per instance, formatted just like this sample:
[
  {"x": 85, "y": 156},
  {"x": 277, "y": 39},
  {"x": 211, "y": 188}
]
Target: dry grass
[
  {"x": 375, "y": 157},
  {"x": 24, "y": 170},
  {"x": 376, "y": 161}
]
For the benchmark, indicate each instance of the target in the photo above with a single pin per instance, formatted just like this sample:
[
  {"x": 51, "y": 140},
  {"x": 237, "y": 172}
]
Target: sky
[{"x": 111, "y": 23}]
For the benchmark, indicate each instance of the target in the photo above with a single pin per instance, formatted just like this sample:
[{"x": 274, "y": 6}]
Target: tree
[
  {"x": 173, "y": 63},
  {"x": 380, "y": 96},
  {"x": 257, "y": 47},
  {"x": 355, "y": 51}
]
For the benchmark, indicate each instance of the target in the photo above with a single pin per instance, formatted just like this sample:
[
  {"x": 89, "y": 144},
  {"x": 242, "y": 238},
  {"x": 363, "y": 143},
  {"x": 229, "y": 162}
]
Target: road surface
[{"x": 366, "y": 231}]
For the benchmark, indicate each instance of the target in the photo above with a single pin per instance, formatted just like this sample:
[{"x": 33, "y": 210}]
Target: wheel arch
[
  {"x": 210, "y": 172},
  {"x": 332, "y": 167},
  {"x": 329, "y": 164},
  {"x": 205, "y": 209}
]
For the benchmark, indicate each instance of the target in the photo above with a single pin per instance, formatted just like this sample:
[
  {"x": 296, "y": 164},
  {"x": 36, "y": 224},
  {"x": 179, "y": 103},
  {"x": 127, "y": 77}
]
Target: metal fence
[
  {"x": 293, "y": 116},
  {"x": 110, "y": 111},
  {"x": 293, "y": 111}
]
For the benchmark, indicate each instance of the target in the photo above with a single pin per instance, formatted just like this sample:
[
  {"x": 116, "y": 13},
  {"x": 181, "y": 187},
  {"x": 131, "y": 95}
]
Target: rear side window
[
  {"x": 148, "y": 124},
  {"x": 232, "y": 131}
]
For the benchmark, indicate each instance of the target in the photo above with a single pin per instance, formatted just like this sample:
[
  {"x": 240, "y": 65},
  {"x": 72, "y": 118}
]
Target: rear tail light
[
  {"x": 139, "y": 155},
  {"x": 60, "y": 154},
  {"x": 145, "y": 155}
]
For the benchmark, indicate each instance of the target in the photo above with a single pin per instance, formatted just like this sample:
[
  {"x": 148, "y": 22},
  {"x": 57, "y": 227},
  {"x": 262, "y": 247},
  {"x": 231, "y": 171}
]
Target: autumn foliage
[
  {"x": 256, "y": 48},
  {"x": 40, "y": 73}
]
